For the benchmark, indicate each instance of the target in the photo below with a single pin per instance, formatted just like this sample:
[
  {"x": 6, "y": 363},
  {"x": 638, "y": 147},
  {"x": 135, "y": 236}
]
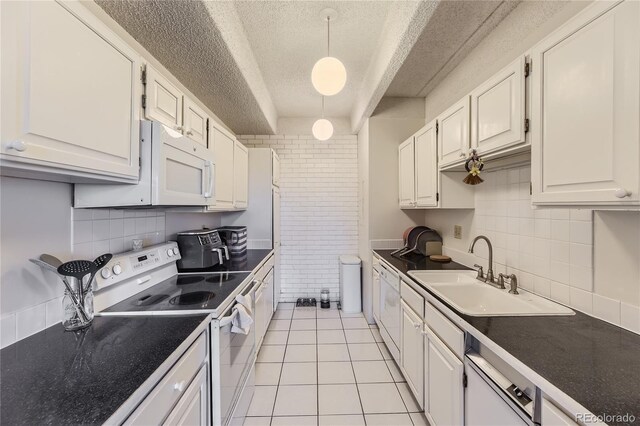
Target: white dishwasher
[{"x": 491, "y": 399}]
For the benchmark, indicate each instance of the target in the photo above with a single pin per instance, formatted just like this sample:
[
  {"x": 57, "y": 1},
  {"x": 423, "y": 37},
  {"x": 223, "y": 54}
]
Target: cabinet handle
[
  {"x": 417, "y": 325},
  {"x": 179, "y": 386},
  {"x": 622, "y": 193},
  {"x": 179, "y": 128},
  {"x": 16, "y": 145},
  {"x": 189, "y": 132}
]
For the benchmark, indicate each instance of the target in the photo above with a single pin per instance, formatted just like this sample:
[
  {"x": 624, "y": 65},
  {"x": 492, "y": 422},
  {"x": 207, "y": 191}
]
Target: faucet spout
[{"x": 490, "y": 277}]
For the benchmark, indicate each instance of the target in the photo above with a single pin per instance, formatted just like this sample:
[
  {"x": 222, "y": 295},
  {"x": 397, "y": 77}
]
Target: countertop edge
[
  {"x": 137, "y": 397},
  {"x": 559, "y": 396}
]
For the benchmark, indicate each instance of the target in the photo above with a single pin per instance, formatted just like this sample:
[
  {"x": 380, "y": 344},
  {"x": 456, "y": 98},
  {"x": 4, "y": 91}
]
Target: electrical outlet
[{"x": 457, "y": 232}]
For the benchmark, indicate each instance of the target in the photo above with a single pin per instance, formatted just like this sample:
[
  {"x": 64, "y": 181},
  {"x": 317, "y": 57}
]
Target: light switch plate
[{"x": 457, "y": 232}]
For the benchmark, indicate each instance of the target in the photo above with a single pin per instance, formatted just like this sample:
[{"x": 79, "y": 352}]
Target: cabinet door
[
  {"x": 195, "y": 122},
  {"x": 406, "y": 166},
  {"x": 412, "y": 352},
  {"x": 376, "y": 295},
  {"x": 453, "y": 133},
  {"x": 70, "y": 92},
  {"x": 223, "y": 149},
  {"x": 240, "y": 176},
  {"x": 163, "y": 100},
  {"x": 259, "y": 314},
  {"x": 267, "y": 294},
  {"x": 585, "y": 109},
  {"x": 426, "y": 166},
  {"x": 498, "y": 110},
  {"x": 444, "y": 382},
  {"x": 193, "y": 407},
  {"x": 275, "y": 169}
]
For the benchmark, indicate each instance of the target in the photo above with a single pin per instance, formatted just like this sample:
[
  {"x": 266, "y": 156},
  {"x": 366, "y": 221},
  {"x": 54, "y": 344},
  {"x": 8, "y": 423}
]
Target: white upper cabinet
[
  {"x": 223, "y": 147},
  {"x": 240, "y": 176},
  {"x": 585, "y": 109},
  {"x": 406, "y": 164},
  {"x": 426, "y": 166},
  {"x": 453, "y": 133},
  {"x": 163, "y": 100},
  {"x": 498, "y": 110},
  {"x": 70, "y": 94},
  {"x": 196, "y": 122}
]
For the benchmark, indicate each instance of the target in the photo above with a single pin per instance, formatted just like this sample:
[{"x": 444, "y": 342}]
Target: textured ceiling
[
  {"x": 250, "y": 61},
  {"x": 456, "y": 27},
  {"x": 183, "y": 37},
  {"x": 288, "y": 37}
]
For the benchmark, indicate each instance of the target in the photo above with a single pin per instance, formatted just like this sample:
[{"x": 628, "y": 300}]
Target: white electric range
[{"x": 147, "y": 282}]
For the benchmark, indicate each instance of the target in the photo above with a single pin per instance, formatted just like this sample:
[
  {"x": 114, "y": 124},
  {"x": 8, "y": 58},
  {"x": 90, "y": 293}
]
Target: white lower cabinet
[
  {"x": 259, "y": 315},
  {"x": 444, "y": 398},
  {"x": 376, "y": 295},
  {"x": 193, "y": 407},
  {"x": 267, "y": 294},
  {"x": 412, "y": 352},
  {"x": 174, "y": 397}
]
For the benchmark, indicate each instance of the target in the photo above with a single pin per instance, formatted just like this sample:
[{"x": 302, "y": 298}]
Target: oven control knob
[
  {"x": 175, "y": 251},
  {"x": 106, "y": 273},
  {"x": 117, "y": 269},
  {"x": 170, "y": 252}
]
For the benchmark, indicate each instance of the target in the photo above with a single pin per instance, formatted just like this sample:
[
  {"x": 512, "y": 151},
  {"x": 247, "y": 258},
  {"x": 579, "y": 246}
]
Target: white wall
[
  {"x": 381, "y": 221},
  {"x": 319, "y": 209},
  {"x": 37, "y": 217}
]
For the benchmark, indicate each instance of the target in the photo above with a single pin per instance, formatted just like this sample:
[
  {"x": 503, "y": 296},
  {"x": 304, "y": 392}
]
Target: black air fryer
[{"x": 201, "y": 249}]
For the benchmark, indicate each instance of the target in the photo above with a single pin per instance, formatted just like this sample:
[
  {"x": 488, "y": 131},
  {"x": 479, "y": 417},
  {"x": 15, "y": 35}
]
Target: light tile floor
[{"x": 325, "y": 368}]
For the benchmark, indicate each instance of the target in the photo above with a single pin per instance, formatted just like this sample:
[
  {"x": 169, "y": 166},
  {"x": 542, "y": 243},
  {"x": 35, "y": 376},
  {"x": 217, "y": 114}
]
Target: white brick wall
[{"x": 319, "y": 221}]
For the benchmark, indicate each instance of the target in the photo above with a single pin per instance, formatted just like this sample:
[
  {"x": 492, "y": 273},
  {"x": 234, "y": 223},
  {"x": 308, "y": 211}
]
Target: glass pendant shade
[
  {"x": 329, "y": 76},
  {"x": 322, "y": 129}
]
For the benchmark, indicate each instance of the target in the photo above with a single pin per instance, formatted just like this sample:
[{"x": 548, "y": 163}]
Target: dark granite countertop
[
  {"x": 246, "y": 263},
  {"x": 414, "y": 262},
  {"x": 57, "y": 377},
  {"x": 595, "y": 363}
]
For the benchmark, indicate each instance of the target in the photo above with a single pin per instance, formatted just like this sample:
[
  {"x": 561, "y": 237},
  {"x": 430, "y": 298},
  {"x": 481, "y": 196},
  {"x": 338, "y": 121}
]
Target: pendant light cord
[
  {"x": 328, "y": 38},
  {"x": 323, "y": 106}
]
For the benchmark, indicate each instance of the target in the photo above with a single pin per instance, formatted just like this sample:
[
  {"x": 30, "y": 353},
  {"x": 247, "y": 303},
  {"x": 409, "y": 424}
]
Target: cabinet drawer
[
  {"x": 264, "y": 270},
  {"x": 376, "y": 263},
  {"x": 450, "y": 334},
  {"x": 158, "y": 404},
  {"x": 412, "y": 298}
]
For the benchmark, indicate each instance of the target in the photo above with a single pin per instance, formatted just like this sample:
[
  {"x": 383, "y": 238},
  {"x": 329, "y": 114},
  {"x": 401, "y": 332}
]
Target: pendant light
[
  {"x": 322, "y": 129},
  {"x": 329, "y": 74}
]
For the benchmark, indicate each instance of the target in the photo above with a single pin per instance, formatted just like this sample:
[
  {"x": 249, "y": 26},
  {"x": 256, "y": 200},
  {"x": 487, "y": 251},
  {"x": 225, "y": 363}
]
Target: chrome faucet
[
  {"x": 489, "y": 278},
  {"x": 513, "y": 282}
]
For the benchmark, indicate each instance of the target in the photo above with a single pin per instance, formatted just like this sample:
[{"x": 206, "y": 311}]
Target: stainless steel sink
[{"x": 472, "y": 297}]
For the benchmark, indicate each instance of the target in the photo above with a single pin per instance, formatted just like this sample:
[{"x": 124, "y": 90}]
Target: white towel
[{"x": 241, "y": 323}]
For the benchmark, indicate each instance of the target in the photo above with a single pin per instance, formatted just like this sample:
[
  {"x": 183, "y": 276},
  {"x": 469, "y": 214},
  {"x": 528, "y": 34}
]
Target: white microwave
[{"x": 174, "y": 171}]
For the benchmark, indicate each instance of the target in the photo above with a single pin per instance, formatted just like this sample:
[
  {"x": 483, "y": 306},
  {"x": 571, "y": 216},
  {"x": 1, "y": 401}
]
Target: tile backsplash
[
  {"x": 98, "y": 231},
  {"x": 551, "y": 251}
]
